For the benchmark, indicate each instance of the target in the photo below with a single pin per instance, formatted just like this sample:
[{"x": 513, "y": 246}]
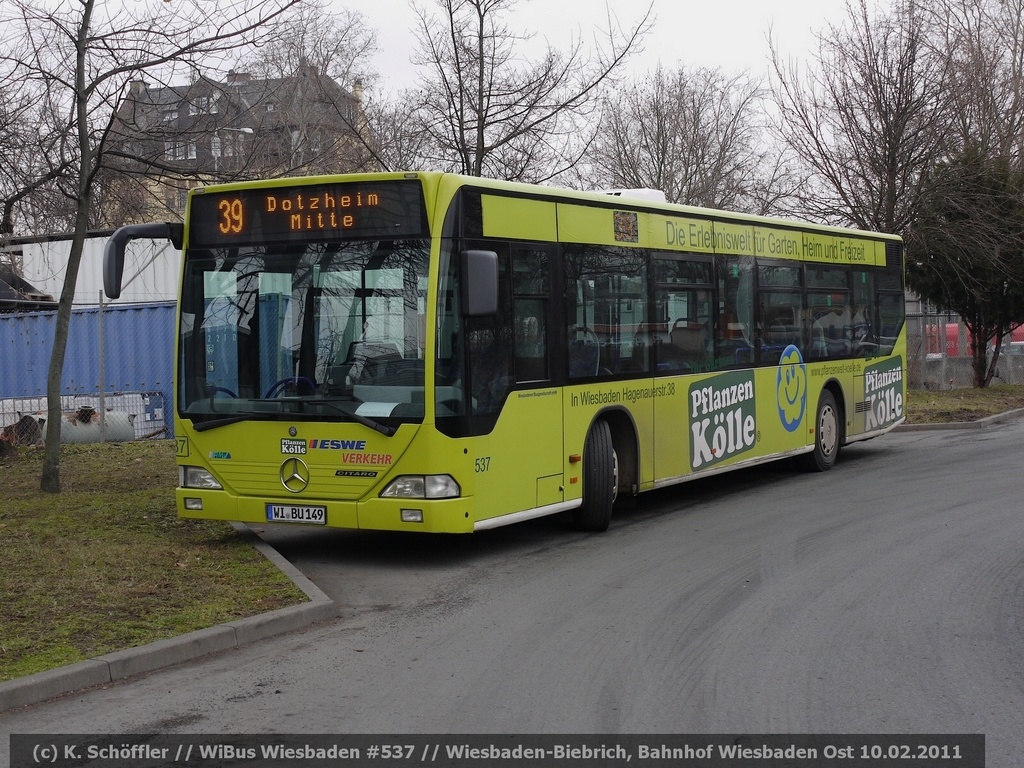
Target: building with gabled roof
[{"x": 169, "y": 139}]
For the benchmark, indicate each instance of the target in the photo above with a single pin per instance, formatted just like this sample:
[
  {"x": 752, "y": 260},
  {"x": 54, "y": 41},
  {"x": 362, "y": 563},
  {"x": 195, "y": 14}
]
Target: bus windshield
[{"x": 313, "y": 330}]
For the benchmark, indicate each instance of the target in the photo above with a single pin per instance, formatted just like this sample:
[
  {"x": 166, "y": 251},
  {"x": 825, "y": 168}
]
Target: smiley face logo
[{"x": 791, "y": 392}]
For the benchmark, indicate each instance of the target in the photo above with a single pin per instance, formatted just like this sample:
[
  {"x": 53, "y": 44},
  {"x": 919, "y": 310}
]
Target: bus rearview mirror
[
  {"x": 479, "y": 285},
  {"x": 113, "y": 253}
]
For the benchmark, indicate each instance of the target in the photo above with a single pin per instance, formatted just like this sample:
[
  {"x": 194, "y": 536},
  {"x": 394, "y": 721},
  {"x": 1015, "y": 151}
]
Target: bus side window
[
  {"x": 736, "y": 310},
  {"x": 531, "y": 287},
  {"x": 890, "y": 319},
  {"x": 828, "y": 311},
  {"x": 682, "y": 300},
  {"x": 606, "y": 310},
  {"x": 780, "y": 324},
  {"x": 863, "y": 330},
  {"x": 530, "y": 342}
]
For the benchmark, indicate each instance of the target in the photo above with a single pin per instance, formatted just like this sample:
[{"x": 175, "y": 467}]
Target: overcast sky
[{"x": 729, "y": 34}]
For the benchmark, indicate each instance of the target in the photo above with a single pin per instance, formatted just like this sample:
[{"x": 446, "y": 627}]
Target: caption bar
[{"x": 500, "y": 751}]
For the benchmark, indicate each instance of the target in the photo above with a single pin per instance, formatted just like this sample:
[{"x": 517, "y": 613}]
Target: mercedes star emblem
[{"x": 294, "y": 475}]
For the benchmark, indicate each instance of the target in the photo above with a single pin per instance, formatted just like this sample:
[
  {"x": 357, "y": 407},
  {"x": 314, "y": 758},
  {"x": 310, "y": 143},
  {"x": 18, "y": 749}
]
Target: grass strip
[{"x": 106, "y": 564}]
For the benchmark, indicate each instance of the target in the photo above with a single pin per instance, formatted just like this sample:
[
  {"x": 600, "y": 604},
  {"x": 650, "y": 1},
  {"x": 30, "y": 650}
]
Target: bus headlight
[
  {"x": 197, "y": 477},
  {"x": 422, "y": 487}
]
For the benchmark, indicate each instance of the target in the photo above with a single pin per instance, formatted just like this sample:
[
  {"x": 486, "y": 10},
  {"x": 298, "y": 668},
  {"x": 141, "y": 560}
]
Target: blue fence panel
[
  {"x": 26, "y": 340},
  {"x": 138, "y": 343}
]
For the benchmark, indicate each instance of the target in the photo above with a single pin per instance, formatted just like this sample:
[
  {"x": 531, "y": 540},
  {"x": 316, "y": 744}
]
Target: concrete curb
[
  {"x": 174, "y": 650},
  {"x": 999, "y": 418}
]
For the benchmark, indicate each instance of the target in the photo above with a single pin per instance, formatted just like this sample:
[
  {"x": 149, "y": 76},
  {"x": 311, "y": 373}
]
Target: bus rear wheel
[
  {"x": 827, "y": 435},
  {"x": 600, "y": 480}
]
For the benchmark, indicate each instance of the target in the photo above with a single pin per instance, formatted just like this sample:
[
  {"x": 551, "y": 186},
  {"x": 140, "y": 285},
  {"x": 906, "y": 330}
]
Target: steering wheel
[
  {"x": 291, "y": 381},
  {"x": 212, "y": 391}
]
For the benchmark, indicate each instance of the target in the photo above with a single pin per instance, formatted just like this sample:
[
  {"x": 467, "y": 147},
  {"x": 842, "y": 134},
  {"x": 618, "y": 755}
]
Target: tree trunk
[{"x": 50, "y": 480}]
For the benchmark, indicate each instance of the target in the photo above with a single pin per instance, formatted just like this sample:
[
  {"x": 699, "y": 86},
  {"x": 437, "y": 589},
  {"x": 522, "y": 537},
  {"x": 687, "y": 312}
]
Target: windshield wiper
[
  {"x": 202, "y": 426},
  {"x": 385, "y": 429}
]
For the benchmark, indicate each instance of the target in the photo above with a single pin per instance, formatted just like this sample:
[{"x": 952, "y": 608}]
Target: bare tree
[
  {"x": 967, "y": 249},
  {"x": 395, "y": 142},
  {"x": 866, "y": 118},
  {"x": 982, "y": 42},
  {"x": 913, "y": 124},
  {"x": 337, "y": 43},
  {"x": 486, "y": 110},
  {"x": 695, "y": 134},
  {"x": 31, "y": 143},
  {"x": 78, "y": 59},
  {"x": 965, "y": 243}
]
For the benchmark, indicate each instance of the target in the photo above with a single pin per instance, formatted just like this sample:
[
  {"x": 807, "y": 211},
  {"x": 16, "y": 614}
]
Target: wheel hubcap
[{"x": 828, "y": 431}]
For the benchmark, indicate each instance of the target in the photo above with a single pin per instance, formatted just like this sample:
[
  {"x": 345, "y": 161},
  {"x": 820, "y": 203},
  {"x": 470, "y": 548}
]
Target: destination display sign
[{"x": 349, "y": 210}]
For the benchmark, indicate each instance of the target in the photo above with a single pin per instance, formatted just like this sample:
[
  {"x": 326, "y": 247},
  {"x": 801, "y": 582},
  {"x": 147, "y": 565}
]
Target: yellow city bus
[{"x": 432, "y": 352}]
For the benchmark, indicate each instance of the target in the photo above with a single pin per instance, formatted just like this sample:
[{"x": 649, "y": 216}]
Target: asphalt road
[{"x": 884, "y": 596}]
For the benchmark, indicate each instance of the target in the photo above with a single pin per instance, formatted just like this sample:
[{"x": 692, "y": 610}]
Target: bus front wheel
[
  {"x": 600, "y": 480},
  {"x": 827, "y": 435}
]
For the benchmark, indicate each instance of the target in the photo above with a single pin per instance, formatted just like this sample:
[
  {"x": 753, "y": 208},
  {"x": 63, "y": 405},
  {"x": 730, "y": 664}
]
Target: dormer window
[{"x": 203, "y": 105}]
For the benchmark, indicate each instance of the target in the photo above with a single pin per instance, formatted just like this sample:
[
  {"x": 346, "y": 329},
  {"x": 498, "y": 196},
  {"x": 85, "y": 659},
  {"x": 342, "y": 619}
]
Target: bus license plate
[{"x": 287, "y": 513}]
